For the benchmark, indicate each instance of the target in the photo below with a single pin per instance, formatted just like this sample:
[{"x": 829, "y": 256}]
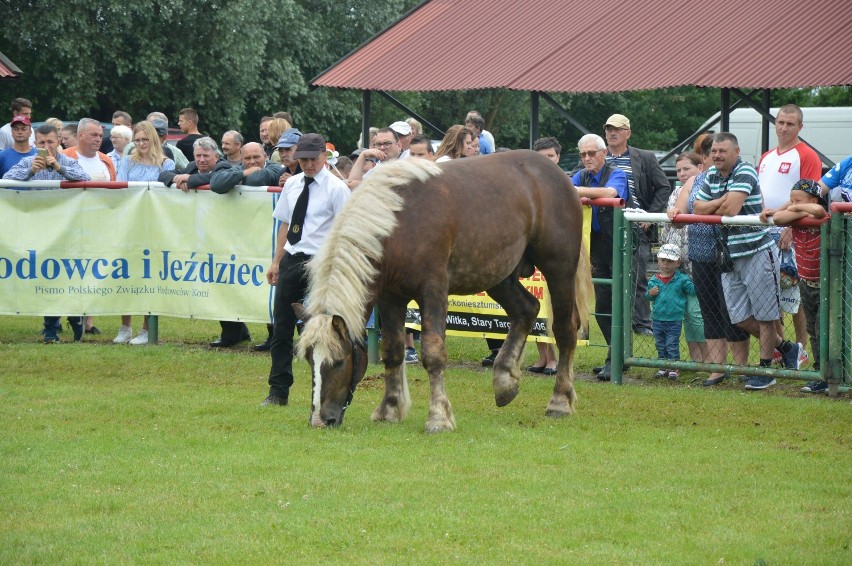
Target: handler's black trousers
[
  {"x": 600, "y": 252},
  {"x": 292, "y": 287}
]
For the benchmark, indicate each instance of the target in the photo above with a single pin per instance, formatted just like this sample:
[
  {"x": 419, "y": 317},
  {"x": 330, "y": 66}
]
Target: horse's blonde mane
[{"x": 341, "y": 273}]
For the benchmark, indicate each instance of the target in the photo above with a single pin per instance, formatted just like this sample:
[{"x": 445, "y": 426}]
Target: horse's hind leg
[
  {"x": 433, "y": 311},
  {"x": 522, "y": 308},
  {"x": 565, "y": 325},
  {"x": 396, "y": 402}
]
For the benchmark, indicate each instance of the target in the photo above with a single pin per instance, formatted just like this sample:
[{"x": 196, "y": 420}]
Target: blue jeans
[{"x": 667, "y": 337}]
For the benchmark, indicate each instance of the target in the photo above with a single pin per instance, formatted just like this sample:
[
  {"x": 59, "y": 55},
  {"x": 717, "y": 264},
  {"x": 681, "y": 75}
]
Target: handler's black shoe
[
  {"x": 488, "y": 360},
  {"x": 273, "y": 400},
  {"x": 263, "y": 346}
]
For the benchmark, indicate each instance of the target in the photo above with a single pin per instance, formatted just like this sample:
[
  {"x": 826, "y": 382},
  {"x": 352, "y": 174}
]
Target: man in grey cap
[
  {"x": 309, "y": 203},
  {"x": 286, "y": 147},
  {"x": 650, "y": 190}
]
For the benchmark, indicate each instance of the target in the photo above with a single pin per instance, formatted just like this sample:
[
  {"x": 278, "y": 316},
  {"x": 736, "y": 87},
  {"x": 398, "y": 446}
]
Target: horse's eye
[{"x": 338, "y": 364}]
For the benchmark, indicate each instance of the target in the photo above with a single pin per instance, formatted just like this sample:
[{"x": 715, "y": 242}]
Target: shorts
[{"x": 752, "y": 288}]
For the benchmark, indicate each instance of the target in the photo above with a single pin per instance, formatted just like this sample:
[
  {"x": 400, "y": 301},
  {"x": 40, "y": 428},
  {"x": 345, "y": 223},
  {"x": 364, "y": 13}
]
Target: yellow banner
[{"x": 136, "y": 251}]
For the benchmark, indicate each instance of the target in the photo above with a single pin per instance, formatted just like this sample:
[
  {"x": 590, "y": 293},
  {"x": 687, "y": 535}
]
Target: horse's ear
[
  {"x": 300, "y": 311},
  {"x": 339, "y": 326}
]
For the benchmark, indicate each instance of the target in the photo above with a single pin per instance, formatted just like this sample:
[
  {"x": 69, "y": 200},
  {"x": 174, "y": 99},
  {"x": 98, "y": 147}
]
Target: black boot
[{"x": 264, "y": 346}]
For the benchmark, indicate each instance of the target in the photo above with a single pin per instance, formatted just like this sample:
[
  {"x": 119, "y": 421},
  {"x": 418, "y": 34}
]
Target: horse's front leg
[
  {"x": 433, "y": 311},
  {"x": 521, "y": 308},
  {"x": 396, "y": 402}
]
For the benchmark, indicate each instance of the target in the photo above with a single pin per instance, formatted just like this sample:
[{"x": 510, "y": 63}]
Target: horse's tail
[{"x": 583, "y": 288}]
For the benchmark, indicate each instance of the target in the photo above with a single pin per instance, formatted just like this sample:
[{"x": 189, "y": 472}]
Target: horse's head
[{"x": 337, "y": 365}]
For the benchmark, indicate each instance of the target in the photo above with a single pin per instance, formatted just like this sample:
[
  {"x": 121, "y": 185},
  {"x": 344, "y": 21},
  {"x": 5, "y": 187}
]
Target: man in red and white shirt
[{"x": 779, "y": 169}]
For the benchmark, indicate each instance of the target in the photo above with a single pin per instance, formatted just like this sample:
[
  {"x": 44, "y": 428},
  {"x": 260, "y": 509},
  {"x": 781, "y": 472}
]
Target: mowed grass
[{"x": 161, "y": 455}]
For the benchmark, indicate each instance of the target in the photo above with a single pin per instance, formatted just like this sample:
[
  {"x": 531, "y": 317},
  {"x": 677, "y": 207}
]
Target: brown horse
[{"x": 417, "y": 230}]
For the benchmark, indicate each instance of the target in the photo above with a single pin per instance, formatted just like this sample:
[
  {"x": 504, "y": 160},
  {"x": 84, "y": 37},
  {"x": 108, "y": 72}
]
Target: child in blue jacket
[{"x": 668, "y": 292}]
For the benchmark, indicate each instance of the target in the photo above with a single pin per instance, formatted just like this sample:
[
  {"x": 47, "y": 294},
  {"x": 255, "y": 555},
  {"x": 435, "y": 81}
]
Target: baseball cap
[
  {"x": 618, "y": 120},
  {"x": 401, "y": 128},
  {"x": 289, "y": 138},
  {"x": 810, "y": 187},
  {"x": 309, "y": 146},
  {"x": 20, "y": 119},
  {"x": 669, "y": 251},
  {"x": 161, "y": 126}
]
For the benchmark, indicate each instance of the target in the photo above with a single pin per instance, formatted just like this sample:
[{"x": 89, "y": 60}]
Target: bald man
[{"x": 255, "y": 170}]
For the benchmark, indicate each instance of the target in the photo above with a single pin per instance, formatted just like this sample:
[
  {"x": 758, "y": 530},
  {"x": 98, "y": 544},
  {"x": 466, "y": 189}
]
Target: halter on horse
[{"x": 417, "y": 230}]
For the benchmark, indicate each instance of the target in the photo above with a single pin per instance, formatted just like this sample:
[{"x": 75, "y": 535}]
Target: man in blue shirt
[
  {"x": 601, "y": 179},
  {"x": 21, "y": 147}
]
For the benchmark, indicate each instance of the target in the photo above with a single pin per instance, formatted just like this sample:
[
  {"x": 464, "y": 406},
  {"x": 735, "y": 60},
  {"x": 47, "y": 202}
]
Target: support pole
[
  {"x": 365, "y": 119},
  {"x": 534, "y": 104}
]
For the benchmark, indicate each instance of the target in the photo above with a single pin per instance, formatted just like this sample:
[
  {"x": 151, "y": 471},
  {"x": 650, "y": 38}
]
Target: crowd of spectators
[{"x": 718, "y": 311}]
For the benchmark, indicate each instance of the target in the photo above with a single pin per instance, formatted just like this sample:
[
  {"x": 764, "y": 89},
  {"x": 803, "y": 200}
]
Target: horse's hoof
[
  {"x": 439, "y": 425},
  {"x": 558, "y": 409},
  {"x": 382, "y": 413},
  {"x": 503, "y": 398}
]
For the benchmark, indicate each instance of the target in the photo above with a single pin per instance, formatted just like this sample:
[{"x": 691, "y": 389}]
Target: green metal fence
[{"x": 835, "y": 340}]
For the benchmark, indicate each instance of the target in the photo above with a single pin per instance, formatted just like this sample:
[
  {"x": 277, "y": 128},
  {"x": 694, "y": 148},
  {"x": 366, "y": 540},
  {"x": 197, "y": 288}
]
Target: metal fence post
[
  {"x": 617, "y": 322},
  {"x": 834, "y": 368},
  {"x": 153, "y": 329}
]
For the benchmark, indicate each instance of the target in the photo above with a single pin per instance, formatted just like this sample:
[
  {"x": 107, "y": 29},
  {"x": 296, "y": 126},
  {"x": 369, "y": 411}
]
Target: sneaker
[
  {"x": 759, "y": 382},
  {"x": 791, "y": 358},
  {"x": 93, "y": 330},
  {"x": 803, "y": 357},
  {"x": 674, "y": 374},
  {"x": 50, "y": 336},
  {"x": 815, "y": 387},
  {"x": 125, "y": 333},
  {"x": 776, "y": 358},
  {"x": 76, "y": 326},
  {"x": 662, "y": 374},
  {"x": 411, "y": 356},
  {"x": 141, "y": 339}
]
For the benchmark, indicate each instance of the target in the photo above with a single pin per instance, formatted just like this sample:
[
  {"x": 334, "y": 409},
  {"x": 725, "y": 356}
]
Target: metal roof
[
  {"x": 8, "y": 70},
  {"x": 604, "y": 46}
]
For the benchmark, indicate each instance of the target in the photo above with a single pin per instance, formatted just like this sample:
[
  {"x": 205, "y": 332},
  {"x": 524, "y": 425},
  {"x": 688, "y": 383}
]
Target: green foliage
[
  {"x": 160, "y": 455},
  {"x": 237, "y": 61}
]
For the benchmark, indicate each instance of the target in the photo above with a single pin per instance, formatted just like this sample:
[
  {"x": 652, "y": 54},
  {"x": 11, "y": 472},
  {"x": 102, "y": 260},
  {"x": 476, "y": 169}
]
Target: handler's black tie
[{"x": 294, "y": 232}]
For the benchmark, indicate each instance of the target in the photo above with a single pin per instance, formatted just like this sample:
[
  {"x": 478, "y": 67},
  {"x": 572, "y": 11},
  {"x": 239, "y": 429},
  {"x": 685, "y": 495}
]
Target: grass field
[{"x": 161, "y": 455}]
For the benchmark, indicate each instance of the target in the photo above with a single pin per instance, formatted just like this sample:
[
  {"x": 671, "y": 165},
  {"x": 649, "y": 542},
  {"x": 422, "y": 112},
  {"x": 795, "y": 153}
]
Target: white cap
[
  {"x": 401, "y": 128},
  {"x": 669, "y": 251}
]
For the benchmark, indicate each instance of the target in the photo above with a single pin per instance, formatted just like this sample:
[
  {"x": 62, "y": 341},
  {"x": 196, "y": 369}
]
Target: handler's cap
[
  {"x": 618, "y": 120},
  {"x": 401, "y": 128},
  {"x": 669, "y": 251},
  {"x": 289, "y": 138},
  {"x": 161, "y": 126},
  {"x": 309, "y": 146},
  {"x": 810, "y": 187},
  {"x": 20, "y": 119}
]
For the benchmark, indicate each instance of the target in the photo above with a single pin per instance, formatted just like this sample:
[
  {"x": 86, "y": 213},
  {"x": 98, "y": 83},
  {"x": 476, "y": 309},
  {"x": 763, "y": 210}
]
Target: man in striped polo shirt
[{"x": 752, "y": 288}]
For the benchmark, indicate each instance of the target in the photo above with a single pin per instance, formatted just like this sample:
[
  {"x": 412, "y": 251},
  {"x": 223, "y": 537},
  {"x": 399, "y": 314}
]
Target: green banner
[{"x": 137, "y": 251}]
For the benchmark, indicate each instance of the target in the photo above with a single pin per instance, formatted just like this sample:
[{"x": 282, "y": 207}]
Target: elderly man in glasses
[
  {"x": 600, "y": 178},
  {"x": 387, "y": 147}
]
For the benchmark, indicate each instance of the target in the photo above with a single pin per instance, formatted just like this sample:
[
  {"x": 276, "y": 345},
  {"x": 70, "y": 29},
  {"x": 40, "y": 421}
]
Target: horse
[{"x": 418, "y": 230}]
